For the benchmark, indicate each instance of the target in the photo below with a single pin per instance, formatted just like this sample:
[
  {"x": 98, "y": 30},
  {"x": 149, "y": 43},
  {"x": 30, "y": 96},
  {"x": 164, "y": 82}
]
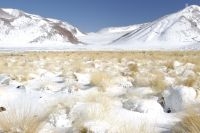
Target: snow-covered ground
[{"x": 99, "y": 92}]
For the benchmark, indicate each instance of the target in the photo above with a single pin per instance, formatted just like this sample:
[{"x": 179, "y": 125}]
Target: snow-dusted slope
[
  {"x": 107, "y": 35},
  {"x": 183, "y": 26},
  {"x": 180, "y": 30},
  {"x": 174, "y": 31},
  {"x": 18, "y": 27}
]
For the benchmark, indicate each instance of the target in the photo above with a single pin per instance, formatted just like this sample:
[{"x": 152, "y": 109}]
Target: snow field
[{"x": 100, "y": 92}]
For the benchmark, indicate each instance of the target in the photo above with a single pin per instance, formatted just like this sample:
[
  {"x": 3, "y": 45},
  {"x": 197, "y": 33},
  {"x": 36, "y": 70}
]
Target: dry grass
[
  {"x": 141, "y": 80},
  {"x": 125, "y": 128},
  {"x": 23, "y": 117},
  {"x": 128, "y": 127},
  {"x": 3, "y": 66},
  {"x": 189, "y": 124},
  {"x": 92, "y": 112},
  {"x": 133, "y": 68},
  {"x": 190, "y": 81},
  {"x": 169, "y": 64},
  {"x": 83, "y": 130},
  {"x": 183, "y": 56},
  {"x": 98, "y": 106},
  {"x": 101, "y": 80},
  {"x": 158, "y": 83},
  {"x": 155, "y": 80},
  {"x": 19, "y": 65},
  {"x": 101, "y": 98},
  {"x": 77, "y": 66},
  {"x": 197, "y": 68},
  {"x": 101, "y": 112}
]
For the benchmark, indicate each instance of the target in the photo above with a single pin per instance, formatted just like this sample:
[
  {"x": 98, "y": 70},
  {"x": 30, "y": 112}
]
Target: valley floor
[{"x": 100, "y": 92}]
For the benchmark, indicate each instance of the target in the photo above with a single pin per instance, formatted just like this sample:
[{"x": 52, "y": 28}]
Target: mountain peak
[
  {"x": 12, "y": 12},
  {"x": 179, "y": 27},
  {"x": 191, "y": 8},
  {"x": 21, "y": 27}
]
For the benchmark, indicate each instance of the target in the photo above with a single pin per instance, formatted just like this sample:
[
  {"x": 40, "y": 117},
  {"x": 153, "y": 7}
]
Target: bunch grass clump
[
  {"x": 189, "y": 124},
  {"x": 23, "y": 117},
  {"x": 101, "y": 79},
  {"x": 158, "y": 83}
]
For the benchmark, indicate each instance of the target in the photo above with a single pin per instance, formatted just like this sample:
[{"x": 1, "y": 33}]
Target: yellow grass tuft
[
  {"x": 189, "y": 124},
  {"x": 197, "y": 68},
  {"x": 169, "y": 65},
  {"x": 22, "y": 118},
  {"x": 128, "y": 127},
  {"x": 155, "y": 80},
  {"x": 158, "y": 85},
  {"x": 133, "y": 68},
  {"x": 101, "y": 80},
  {"x": 100, "y": 98},
  {"x": 158, "y": 82},
  {"x": 78, "y": 65},
  {"x": 190, "y": 81}
]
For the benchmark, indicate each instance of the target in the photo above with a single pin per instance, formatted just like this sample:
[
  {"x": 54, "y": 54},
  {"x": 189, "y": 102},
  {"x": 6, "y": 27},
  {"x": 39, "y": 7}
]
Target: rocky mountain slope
[{"x": 19, "y": 27}]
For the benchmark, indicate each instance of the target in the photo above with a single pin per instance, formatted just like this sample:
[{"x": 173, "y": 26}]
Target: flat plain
[{"x": 100, "y": 91}]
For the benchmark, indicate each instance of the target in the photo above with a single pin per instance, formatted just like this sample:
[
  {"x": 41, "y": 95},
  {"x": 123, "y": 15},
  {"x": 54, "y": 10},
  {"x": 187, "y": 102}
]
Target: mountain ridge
[
  {"x": 35, "y": 28},
  {"x": 179, "y": 29}
]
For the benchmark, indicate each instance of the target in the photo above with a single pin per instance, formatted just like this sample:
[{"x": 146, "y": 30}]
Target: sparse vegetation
[
  {"x": 133, "y": 68},
  {"x": 101, "y": 80},
  {"x": 169, "y": 65},
  {"x": 197, "y": 68},
  {"x": 190, "y": 81},
  {"x": 78, "y": 65},
  {"x": 189, "y": 124},
  {"x": 158, "y": 82},
  {"x": 22, "y": 118},
  {"x": 128, "y": 127}
]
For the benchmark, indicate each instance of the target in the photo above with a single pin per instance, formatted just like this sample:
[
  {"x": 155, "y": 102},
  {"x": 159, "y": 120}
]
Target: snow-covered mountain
[
  {"x": 183, "y": 26},
  {"x": 174, "y": 31},
  {"x": 19, "y": 27}
]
